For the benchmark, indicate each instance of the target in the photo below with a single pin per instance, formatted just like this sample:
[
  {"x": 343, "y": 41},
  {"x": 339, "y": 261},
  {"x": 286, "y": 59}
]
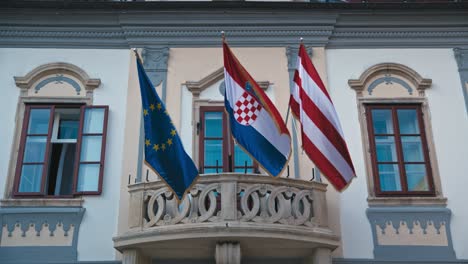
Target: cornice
[{"x": 244, "y": 27}]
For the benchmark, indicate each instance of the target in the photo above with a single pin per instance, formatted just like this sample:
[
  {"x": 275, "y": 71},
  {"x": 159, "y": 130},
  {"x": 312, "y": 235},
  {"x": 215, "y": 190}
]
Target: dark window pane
[
  {"x": 389, "y": 177},
  {"x": 213, "y": 152},
  {"x": 35, "y": 149},
  {"x": 39, "y": 121},
  {"x": 412, "y": 149},
  {"x": 30, "y": 180},
  {"x": 385, "y": 148},
  {"x": 214, "y": 124},
  {"x": 382, "y": 121},
  {"x": 68, "y": 129},
  {"x": 91, "y": 148},
  {"x": 240, "y": 157},
  {"x": 408, "y": 121},
  {"x": 93, "y": 120},
  {"x": 416, "y": 177}
]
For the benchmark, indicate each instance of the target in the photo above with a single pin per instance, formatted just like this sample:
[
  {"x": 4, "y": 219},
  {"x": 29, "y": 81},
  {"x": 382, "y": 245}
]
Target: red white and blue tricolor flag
[
  {"x": 255, "y": 123},
  {"x": 322, "y": 137}
]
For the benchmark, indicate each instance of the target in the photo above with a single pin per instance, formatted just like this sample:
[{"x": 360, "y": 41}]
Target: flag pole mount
[
  {"x": 223, "y": 35},
  {"x": 137, "y": 55}
]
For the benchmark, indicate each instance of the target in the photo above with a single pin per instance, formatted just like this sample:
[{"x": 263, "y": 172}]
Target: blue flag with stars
[{"x": 164, "y": 152}]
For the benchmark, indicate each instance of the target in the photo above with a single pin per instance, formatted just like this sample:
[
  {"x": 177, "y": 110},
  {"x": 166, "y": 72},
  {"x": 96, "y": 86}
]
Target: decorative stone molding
[
  {"x": 250, "y": 24},
  {"x": 39, "y": 234},
  {"x": 411, "y": 233},
  {"x": 394, "y": 83},
  {"x": 197, "y": 87},
  {"x": 390, "y": 72},
  {"x": 56, "y": 71}
]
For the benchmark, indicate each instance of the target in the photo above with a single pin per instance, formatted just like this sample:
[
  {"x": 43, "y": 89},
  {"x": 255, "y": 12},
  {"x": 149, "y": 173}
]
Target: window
[
  {"x": 61, "y": 151},
  {"x": 399, "y": 150},
  {"x": 215, "y": 141}
]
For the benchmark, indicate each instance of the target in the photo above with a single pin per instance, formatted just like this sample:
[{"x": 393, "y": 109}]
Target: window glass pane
[
  {"x": 382, "y": 121},
  {"x": 412, "y": 148},
  {"x": 91, "y": 148},
  {"x": 240, "y": 157},
  {"x": 416, "y": 177},
  {"x": 39, "y": 121},
  {"x": 212, "y": 170},
  {"x": 30, "y": 180},
  {"x": 35, "y": 149},
  {"x": 408, "y": 121},
  {"x": 68, "y": 129},
  {"x": 213, "y": 124},
  {"x": 242, "y": 170},
  {"x": 93, "y": 120},
  {"x": 385, "y": 148},
  {"x": 213, "y": 152},
  {"x": 389, "y": 177},
  {"x": 88, "y": 178}
]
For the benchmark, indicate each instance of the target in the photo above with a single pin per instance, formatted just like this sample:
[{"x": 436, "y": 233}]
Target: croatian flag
[
  {"x": 255, "y": 123},
  {"x": 322, "y": 137}
]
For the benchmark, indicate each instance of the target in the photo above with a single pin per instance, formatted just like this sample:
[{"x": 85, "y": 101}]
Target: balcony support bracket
[{"x": 228, "y": 253}]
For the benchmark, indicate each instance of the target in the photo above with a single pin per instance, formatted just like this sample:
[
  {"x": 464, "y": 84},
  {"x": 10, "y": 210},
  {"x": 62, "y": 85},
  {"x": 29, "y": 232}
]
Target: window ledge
[
  {"x": 73, "y": 202},
  {"x": 398, "y": 201}
]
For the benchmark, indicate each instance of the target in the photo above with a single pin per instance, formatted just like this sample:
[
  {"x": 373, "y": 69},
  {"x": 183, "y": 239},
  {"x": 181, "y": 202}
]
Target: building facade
[{"x": 75, "y": 189}]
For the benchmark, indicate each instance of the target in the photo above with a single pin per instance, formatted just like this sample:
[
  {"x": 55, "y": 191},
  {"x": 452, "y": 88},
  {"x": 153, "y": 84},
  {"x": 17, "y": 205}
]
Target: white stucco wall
[
  {"x": 450, "y": 129},
  {"x": 99, "y": 223}
]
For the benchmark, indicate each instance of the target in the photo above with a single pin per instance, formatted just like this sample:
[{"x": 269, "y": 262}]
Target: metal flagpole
[
  {"x": 141, "y": 139},
  {"x": 223, "y": 38}
]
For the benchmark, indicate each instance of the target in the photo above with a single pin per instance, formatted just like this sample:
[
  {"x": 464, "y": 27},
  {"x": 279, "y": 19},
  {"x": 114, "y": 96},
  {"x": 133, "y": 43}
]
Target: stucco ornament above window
[
  {"x": 56, "y": 80},
  {"x": 390, "y": 80}
]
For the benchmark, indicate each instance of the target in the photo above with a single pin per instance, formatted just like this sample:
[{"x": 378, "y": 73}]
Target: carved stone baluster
[
  {"x": 320, "y": 208},
  {"x": 195, "y": 195},
  {"x": 264, "y": 195},
  {"x": 171, "y": 207},
  {"x": 228, "y": 201},
  {"x": 136, "y": 210}
]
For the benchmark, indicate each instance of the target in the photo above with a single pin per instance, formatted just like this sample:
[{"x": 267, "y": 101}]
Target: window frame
[
  {"x": 227, "y": 140},
  {"x": 399, "y": 150},
  {"x": 79, "y": 145},
  {"x": 22, "y": 145}
]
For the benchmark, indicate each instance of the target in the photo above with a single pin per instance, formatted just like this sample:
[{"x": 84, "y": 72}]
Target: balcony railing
[{"x": 229, "y": 207}]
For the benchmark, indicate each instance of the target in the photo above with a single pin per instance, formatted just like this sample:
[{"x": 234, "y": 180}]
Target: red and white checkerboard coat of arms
[{"x": 246, "y": 109}]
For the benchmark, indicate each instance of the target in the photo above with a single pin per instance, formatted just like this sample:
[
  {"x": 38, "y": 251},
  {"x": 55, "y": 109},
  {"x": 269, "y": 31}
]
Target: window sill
[
  {"x": 68, "y": 202},
  {"x": 399, "y": 201}
]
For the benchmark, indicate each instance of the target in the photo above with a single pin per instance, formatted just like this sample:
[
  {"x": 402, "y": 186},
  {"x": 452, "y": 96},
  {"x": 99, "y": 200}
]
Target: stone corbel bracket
[
  {"x": 56, "y": 70},
  {"x": 390, "y": 71}
]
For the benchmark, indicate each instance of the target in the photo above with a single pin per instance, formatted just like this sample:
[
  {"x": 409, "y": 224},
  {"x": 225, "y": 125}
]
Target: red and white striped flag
[{"x": 322, "y": 136}]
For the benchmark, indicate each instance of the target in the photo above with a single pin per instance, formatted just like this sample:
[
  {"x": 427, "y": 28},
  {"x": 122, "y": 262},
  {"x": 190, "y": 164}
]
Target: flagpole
[
  {"x": 142, "y": 136},
  {"x": 223, "y": 38},
  {"x": 301, "y": 39}
]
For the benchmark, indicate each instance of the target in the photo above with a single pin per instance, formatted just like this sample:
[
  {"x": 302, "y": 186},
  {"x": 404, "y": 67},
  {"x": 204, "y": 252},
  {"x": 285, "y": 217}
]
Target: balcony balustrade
[{"x": 287, "y": 217}]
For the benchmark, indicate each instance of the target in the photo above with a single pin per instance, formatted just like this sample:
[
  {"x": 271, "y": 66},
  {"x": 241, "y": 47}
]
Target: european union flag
[{"x": 164, "y": 152}]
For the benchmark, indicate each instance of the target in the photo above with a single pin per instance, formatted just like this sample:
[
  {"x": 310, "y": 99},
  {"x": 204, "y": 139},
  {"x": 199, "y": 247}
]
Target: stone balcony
[{"x": 227, "y": 216}]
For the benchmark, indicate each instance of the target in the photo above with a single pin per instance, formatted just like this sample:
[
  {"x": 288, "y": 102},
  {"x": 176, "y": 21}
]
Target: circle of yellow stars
[{"x": 169, "y": 142}]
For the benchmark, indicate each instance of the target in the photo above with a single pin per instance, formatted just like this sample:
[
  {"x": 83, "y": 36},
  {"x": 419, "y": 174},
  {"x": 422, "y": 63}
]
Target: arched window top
[
  {"x": 58, "y": 79},
  {"x": 390, "y": 80}
]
